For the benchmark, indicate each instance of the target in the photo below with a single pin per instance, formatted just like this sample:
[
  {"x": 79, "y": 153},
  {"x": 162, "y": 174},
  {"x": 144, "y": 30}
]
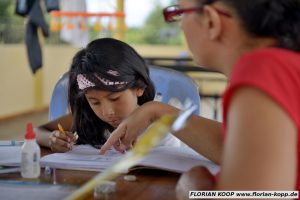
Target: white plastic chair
[{"x": 171, "y": 86}]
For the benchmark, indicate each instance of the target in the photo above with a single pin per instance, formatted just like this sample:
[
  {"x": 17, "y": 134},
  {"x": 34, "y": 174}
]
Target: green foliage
[
  {"x": 11, "y": 25},
  {"x": 134, "y": 35},
  {"x": 155, "y": 30},
  {"x": 4, "y": 5}
]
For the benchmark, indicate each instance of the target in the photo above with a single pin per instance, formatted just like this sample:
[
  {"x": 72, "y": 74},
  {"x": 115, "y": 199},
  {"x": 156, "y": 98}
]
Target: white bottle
[
  {"x": 31, "y": 153},
  {"x": 158, "y": 97}
]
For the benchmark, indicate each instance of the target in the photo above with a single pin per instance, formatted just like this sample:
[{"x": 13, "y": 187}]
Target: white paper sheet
[
  {"x": 85, "y": 157},
  {"x": 81, "y": 157},
  {"x": 10, "y": 155}
]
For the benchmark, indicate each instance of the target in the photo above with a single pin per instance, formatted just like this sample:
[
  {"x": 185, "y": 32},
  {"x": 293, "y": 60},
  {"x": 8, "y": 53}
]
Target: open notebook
[
  {"x": 10, "y": 155},
  {"x": 85, "y": 157}
]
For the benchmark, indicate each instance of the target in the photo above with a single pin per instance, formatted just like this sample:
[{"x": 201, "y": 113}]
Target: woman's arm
[
  {"x": 204, "y": 136},
  {"x": 260, "y": 146},
  {"x": 260, "y": 149},
  {"x": 201, "y": 134}
]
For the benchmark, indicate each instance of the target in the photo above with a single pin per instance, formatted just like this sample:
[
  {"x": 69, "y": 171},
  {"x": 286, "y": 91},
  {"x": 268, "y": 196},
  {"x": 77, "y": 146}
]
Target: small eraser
[
  {"x": 106, "y": 187},
  {"x": 129, "y": 178}
]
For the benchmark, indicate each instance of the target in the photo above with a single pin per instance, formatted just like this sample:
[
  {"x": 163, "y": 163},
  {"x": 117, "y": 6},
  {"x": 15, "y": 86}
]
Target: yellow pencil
[{"x": 60, "y": 128}]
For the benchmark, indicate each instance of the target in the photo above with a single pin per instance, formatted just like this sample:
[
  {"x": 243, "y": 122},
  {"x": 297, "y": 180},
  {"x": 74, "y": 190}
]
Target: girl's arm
[
  {"x": 261, "y": 145},
  {"x": 201, "y": 134},
  {"x": 49, "y": 131}
]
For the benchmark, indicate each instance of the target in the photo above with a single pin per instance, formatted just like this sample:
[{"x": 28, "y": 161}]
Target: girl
[
  {"x": 107, "y": 81},
  {"x": 257, "y": 45}
]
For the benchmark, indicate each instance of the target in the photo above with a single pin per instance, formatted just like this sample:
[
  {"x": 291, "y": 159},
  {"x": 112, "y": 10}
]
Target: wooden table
[{"x": 150, "y": 184}]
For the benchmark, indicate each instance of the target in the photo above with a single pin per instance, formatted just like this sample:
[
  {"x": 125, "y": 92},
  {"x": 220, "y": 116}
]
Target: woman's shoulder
[
  {"x": 267, "y": 61},
  {"x": 275, "y": 72},
  {"x": 269, "y": 55}
]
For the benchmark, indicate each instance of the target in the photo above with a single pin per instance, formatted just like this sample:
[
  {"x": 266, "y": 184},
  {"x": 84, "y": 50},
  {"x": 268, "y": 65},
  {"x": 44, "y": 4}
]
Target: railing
[{"x": 179, "y": 64}]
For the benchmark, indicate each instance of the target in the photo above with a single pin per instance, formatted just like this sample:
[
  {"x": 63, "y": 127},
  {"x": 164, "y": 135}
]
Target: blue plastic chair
[
  {"x": 174, "y": 87},
  {"x": 59, "y": 104},
  {"x": 171, "y": 86}
]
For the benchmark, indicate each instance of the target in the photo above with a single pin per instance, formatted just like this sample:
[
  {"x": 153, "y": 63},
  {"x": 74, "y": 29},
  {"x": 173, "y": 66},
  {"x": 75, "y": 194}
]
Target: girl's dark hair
[
  {"x": 279, "y": 19},
  {"x": 96, "y": 60}
]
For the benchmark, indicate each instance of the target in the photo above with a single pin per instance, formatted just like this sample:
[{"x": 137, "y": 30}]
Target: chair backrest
[
  {"x": 171, "y": 86},
  {"x": 59, "y": 100},
  {"x": 174, "y": 87}
]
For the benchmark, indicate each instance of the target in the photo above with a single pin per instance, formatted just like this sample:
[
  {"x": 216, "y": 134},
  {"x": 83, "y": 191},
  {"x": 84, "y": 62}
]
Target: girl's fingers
[
  {"x": 63, "y": 143},
  {"x": 59, "y": 142},
  {"x": 67, "y": 136},
  {"x": 59, "y": 149},
  {"x": 72, "y": 136},
  {"x": 60, "y": 135}
]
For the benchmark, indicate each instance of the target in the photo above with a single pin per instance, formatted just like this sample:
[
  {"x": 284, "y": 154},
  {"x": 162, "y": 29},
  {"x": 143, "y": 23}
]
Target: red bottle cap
[{"x": 29, "y": 132}]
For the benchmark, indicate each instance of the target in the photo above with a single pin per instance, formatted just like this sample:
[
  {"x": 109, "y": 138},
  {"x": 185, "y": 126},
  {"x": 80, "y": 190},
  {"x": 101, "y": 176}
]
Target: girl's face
[{"x": 113, "y": 107}]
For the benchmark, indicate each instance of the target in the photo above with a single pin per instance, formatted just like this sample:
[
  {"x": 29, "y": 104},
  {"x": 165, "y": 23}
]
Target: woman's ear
[
  {"x": 212, "y": 22},
  {"x": 139, "y": 92}
]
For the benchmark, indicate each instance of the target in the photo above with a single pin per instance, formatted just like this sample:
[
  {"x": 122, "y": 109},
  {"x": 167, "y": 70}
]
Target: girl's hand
[{"x": 61, "y": 142}]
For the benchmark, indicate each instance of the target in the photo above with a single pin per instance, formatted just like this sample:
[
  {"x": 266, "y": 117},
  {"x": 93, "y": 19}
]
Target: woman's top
[{"x": 275, "y": 72}]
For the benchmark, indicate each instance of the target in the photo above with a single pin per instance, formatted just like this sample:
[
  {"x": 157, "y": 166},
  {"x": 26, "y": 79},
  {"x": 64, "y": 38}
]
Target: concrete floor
[{"x": 15, "y": 128}]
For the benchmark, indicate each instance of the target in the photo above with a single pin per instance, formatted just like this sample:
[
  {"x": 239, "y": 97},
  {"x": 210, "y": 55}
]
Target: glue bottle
[{"x": 31, "y": 153}]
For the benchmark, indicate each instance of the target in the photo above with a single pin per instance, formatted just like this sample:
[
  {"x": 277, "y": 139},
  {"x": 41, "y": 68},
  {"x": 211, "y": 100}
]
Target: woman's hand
[
  {"x": 125, "y": 136},
  {"x": 197, "y": 178},
  {"x": 127, "y": 132},
  {"x": 61, "y": 142}
]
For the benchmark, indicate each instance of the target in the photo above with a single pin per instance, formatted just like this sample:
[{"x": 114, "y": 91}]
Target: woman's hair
[
  {"x": 105, "y": 64},
  {"x": 279, "y": 19}
]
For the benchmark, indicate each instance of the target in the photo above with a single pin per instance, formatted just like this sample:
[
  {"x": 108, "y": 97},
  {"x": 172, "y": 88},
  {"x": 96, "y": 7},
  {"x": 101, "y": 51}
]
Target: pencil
[{"x": 60, "y": 128}]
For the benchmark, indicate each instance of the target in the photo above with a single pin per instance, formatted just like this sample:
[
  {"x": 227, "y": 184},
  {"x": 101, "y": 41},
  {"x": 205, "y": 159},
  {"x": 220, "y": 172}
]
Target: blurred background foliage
[
  {"x": 11, "y": 26},
  {"x": 153, "y": 31}
]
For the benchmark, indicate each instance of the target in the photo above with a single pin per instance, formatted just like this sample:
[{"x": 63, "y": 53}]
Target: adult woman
[{"x": 256, "y": 44}]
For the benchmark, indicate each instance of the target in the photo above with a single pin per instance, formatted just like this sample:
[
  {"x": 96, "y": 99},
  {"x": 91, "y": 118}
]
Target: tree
[
  {"x": 156, "y": 31},
  {"x": 4, "y": 5},
  {"x": 11, "y": 26}
]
